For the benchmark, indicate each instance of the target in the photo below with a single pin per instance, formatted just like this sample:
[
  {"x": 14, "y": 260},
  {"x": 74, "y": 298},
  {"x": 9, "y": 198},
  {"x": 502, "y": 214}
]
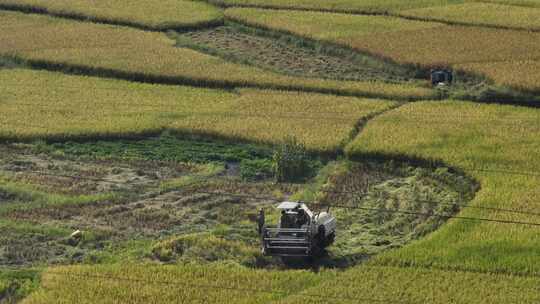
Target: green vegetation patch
[
  {"x": 16, "y": 284},
  {"x": 166, "y": 147},
  {"x": 25, "y": 196}
]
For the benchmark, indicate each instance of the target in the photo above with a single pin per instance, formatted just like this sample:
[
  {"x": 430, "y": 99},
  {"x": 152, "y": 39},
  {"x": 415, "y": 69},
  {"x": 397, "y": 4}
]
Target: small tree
[{"x": 290, "y": 162}]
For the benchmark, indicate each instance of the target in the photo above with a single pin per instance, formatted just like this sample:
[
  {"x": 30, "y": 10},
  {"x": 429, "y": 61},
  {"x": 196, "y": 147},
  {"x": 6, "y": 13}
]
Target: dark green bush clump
[
  {"x": 256, "y": 169},
  {"x": 291, "y": 162}
]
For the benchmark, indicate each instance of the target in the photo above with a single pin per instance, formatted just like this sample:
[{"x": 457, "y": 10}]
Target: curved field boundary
[
  {"x": 469, "y": 143},
  {"x": 74, "y": 14},
  {"x": 86, "y": 107}
]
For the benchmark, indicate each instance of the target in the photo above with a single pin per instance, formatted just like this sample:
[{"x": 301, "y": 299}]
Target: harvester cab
[
  {"x": 441, "y": 77},
  {"x": 300, "y": 232}
]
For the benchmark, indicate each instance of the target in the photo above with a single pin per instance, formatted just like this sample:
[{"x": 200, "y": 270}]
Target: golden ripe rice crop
[
  {"x": 52, "y": 105},
  {"x": 420, "y": 285},
  {"x": 415, "y": 129},
  {"x": 484, "y": 141},
  {"x": 144, "y": 55},
  {"x": 522, "y": 74},
  {"x": 325, "y": 26},
  {"x": 157, "y": 15},
  {"x": 432, "y": 44},
  {"x": 189, "y": 284},
  {"x": 524, "y": 3},
  {"x": 199, "y": 284},
  {"x": 481, "y": 14}
]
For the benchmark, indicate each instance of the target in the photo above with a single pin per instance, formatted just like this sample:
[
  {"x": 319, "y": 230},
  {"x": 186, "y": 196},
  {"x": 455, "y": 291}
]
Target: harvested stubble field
[
  {"x": 476, "y": 48},
  {"x": 117, "y": 108},
  {"x": 291, "y": 56},
  {"x": 138, "y": 55},
  {"x": 169, "y": 14},
  {"x": 186, "y": 228}
]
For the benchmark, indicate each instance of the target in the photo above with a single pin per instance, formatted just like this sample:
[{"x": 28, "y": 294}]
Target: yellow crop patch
[
  {"x": 406, "y": 41},
  {"x": 168, "y": 14},
  {"x": 141, "y": 55},
  {"x": 349, "y": 6},
  {"x": 52, "y": 105},
  {"x": 481, "y": 14}
]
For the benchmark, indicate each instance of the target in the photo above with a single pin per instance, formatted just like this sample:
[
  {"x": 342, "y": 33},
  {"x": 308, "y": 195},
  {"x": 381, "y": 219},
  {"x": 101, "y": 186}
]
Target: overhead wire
[
  {"x": 383, "y": 210},
  {"x": 250, "y": 290}
]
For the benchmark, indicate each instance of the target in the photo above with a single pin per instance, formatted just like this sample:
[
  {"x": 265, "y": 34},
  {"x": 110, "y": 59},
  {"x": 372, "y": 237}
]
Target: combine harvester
[{"x": 300, "y": 233}]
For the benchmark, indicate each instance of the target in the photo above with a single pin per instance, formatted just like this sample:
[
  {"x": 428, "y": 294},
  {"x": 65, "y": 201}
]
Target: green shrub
[
  {"x": 256, "y": 169},
  {"x": 291, "y": 161}
]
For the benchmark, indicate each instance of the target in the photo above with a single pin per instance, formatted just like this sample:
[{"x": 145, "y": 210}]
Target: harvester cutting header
[{"x": 300, "y": 232}]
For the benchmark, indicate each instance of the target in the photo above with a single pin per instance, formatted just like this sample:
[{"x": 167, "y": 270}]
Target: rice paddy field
[
  {"x": 138, "y": 142},
  {"x": 123, "y": 109},
  {"x": 101, "y": 49},
  {"x": 399, "y": 40},
  {"x": 147, "y": 15},
  {"x": 487, "y": 14},
  {"x": 458, "y": 133},
  {"x": 348, "y": 6}
]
